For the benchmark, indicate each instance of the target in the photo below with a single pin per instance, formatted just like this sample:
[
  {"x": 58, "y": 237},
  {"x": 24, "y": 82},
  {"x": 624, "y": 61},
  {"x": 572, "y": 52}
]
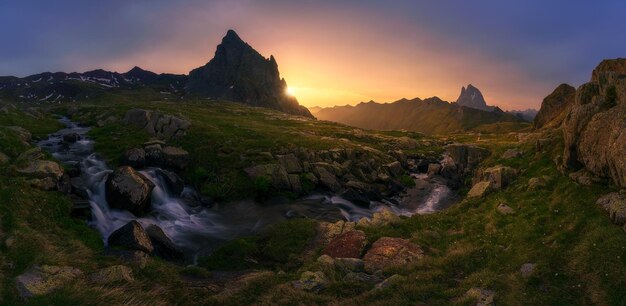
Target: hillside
[
  {"x": 540, "y": 239},
  {"x": 429, "y": 116}
]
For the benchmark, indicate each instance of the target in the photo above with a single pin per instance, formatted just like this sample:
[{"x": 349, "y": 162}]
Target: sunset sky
[{"x": 332, "y": 52}]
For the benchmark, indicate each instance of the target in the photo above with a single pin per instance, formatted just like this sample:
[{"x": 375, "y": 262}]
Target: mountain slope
[
  {"x": 430, "y": 116},
  {"x": 240, "y": 73},
  {"x": 237, "y": 73}
]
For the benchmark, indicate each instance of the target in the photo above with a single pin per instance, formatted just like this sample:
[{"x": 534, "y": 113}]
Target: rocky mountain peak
[
  {"x": 472, "y": 97},
  {"x": 239, "y": 73}
]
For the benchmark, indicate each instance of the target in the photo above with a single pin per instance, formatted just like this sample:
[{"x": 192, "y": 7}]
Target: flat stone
[
  {"x": 41, "y": 280},
  {"x": 388, "y": 252},
  {"x": 479, "y": 190}
]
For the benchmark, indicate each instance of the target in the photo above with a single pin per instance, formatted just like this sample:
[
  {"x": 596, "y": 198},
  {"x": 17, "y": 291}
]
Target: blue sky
[{"x": 332, "y": 52}]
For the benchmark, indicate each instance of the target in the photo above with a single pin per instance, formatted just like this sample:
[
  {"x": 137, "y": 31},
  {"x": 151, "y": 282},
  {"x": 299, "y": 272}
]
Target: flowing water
[{"x": 199, "y": 230}]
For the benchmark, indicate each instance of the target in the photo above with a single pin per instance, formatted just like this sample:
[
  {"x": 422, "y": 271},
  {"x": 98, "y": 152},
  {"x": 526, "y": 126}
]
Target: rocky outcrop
[
  {"x": 132, "y": 237},
  {"x": 554, "y": 105},
  {"x": 239, "y": 73},
  {"x": 157, "y": 124},
  {"x": 594, "y": 129},
  {"x": 390, "y": 252},
  {"x": 498, "y": 176},
  {"x": 460, "y": 161},
  {"x": 130, "y": 190},
  {"x": 40, "y": 280}
]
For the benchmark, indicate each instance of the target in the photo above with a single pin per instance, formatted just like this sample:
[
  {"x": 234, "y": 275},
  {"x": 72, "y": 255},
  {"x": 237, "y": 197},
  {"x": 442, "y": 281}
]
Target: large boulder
[
  {"x": 130, "y": 190},
  {"x": 42, "y": 280},
  {"x": 346, "y": 245},
  {"x": 555, "y": 105},
  {"x": 390, "y": 252},
  {"x": 499, "y": 176},
  {"x": 131, "y": 236},
  {"x": 594, "y": 129},
  {"x": 328, "y": 179},
  {"x": 42, "y": 169},
  {"x": 461, "y": 160}
]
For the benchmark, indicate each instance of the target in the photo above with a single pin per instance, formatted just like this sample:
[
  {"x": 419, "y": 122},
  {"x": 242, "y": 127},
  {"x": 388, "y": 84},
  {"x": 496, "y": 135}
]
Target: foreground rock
[
  {"x": 131, "y": 236},
  {"x": 346, "y": 245},
  {"x": 130, "y": 190},
  {"x": 594, "y": 129},
  {"x": 45, "y": 279},
  {"x": 460, "y": 161},
  {"x": 390, "y": 252}
]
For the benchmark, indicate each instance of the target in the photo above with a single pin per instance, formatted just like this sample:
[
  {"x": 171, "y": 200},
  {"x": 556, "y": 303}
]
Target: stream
[{"x": 199, "y": 230}]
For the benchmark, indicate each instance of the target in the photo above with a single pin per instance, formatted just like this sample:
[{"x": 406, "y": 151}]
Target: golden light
[{"x": 291, "y": 91}]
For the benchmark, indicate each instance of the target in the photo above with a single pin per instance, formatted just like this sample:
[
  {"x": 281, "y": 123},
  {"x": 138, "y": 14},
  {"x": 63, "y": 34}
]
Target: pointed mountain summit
[
  {"x": 140, "y": 74},
  {"x": 472, "y": 97},
  {"x": 239, "y": 73}
]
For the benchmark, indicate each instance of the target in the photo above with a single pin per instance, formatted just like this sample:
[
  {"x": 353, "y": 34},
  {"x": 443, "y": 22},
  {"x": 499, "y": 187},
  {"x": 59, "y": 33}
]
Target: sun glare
[{"x": 291, "y": 91}]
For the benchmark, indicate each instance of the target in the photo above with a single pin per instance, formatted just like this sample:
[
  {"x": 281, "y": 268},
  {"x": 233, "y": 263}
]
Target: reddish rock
[
  {"x": 389, "y": 252},
  {"x": 346, "y": 245}
]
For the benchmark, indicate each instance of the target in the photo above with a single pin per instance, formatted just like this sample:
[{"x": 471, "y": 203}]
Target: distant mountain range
[
  {"x": 237, "y": 73},
  {"x": 430, "y": 116}
]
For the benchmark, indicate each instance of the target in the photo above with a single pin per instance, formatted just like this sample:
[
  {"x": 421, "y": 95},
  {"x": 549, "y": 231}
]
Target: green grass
[{"x": 580, "y": 255}]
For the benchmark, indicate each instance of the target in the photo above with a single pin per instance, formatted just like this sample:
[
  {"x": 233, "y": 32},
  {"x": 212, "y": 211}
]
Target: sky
[{"x": 331, "y": 52}]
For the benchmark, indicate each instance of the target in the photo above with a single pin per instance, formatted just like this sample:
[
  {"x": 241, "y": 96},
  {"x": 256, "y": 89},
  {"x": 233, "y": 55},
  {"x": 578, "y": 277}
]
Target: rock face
[
  {"x": 389, "y": 252},
  {"x": 594, "y": 129},
  {"x": 472, "y": 97},
  {"x": 131, "y": 236},
  {"x": 45, "y": 279},
  {"x": 461, "y": 160},
  {"x": 239, "y": 73},
  {"x": 157, "y": 124},
  {"x": 130, "y": 190},
  {"x": 346, "y": 245},
  {"x": 554, "y": 105}
]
